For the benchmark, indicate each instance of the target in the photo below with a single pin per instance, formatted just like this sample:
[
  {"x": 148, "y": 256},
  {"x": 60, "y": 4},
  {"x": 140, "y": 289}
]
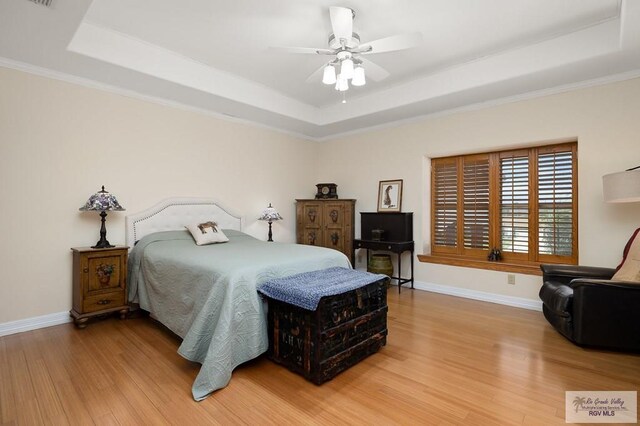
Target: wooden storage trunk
[{"x": 342, "y": 331}]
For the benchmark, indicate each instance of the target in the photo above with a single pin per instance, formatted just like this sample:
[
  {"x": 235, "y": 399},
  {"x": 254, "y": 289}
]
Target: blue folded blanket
[{"x": 306, "y": 289}]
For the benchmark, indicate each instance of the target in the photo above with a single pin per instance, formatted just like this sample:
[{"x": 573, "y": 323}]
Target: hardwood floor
[{"x": 448, "y": 361}]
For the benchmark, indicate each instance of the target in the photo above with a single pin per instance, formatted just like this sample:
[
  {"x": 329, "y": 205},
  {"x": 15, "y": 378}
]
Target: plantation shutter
[
  {"x": 514, "y": 202},
  {"x": 475, "y": 214},
  {"x": 444, "y": 181},
  {"x": 556, "y": 202},
  {"x": 523, "y": 202}
]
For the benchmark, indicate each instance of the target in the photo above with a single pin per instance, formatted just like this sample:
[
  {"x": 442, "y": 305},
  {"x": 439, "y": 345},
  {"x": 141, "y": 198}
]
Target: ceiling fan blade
[
  {"x": 341, "y": 22},
  {"x": 373, "y": 70},
  {"x": 316, "y": 76},
  {"x": 306, "y": 50},
  {"x": 388, "y": 44}
]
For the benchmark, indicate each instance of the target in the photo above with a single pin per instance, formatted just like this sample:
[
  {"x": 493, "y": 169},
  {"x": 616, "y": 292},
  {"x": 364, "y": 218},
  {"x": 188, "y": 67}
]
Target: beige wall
[
  {"x": 59, "y": 142},
  {"x": 605, "y": 120}
]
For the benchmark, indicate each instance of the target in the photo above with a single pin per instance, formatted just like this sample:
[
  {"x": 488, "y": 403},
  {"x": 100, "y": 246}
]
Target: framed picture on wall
[{"x": 389, "y": 196}]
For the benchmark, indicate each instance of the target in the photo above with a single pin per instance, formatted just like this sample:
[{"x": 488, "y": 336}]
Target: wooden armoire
[{"x": 326, "y": 223}]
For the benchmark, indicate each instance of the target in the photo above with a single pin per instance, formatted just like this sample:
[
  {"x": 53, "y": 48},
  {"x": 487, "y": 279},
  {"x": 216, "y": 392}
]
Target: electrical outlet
[{"x": 511, "y": 279}]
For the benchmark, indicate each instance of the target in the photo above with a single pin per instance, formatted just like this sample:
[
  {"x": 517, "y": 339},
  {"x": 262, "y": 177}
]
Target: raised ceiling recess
[{"x": 216, "y": 57}]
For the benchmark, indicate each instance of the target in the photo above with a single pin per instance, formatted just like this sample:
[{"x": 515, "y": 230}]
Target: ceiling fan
[{"x": 348, "y": 52}]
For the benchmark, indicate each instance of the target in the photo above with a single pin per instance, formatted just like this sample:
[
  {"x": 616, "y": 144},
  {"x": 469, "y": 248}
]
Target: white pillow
[{"x": 207, "y": 233}]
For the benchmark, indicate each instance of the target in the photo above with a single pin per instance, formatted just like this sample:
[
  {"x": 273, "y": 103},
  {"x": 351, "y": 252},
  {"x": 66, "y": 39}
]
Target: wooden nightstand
[{"x": 99, "y": 283}]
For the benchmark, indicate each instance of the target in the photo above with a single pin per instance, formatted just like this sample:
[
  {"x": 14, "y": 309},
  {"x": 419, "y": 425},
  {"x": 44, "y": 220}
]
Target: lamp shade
[
  {"x": 329, "y": 75},
  {"x": 270, "y": 214},
  {"x": 358, "y": 77},
  {"x": 622, "y": 187},
  {"x": 102, "y": 201},
  {"x": 346, "y": 69},
  {"x": 342, "y": 84}
]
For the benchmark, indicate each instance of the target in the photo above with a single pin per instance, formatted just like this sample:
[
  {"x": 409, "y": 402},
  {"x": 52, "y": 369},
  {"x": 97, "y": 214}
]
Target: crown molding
[
  {"x": 601, "y": 81},
  {"x": 92, "y": 84},
  {"x": 81, "y": 81}
]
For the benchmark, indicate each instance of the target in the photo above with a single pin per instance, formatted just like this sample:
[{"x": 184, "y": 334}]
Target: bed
[{"x": 207, "y": 294}]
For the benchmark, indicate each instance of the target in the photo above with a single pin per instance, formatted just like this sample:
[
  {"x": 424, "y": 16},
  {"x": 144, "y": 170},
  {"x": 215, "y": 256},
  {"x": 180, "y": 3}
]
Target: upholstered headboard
[{"x": 174, "y": 213}]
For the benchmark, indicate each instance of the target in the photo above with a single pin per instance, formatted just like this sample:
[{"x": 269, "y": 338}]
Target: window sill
[{"x": 530, "y": 269}]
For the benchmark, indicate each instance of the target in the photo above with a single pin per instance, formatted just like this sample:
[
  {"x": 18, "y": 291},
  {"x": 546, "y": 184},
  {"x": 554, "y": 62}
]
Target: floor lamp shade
[{"x": 622, "y": 187}]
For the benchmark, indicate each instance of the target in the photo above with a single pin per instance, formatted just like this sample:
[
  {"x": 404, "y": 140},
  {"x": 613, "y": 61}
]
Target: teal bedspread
[{"x": 207, "y": 294}]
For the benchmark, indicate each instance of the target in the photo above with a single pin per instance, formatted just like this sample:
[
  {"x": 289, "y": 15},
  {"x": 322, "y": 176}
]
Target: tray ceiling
[{"x": 214, "y": 56}]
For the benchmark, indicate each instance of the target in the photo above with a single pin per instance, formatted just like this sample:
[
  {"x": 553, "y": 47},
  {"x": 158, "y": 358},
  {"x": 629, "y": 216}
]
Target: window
[{"x": 523, "y": 202}]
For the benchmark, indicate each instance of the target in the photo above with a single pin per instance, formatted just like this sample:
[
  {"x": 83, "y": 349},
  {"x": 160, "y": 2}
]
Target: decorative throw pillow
[
  {"x": 207, "y": 233},
  {"x": 627, "y": 246},
  {"x": 629, "y": 269}
]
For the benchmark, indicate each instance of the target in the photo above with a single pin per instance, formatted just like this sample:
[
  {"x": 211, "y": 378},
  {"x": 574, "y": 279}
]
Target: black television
[{"x": 397, "y": 227}]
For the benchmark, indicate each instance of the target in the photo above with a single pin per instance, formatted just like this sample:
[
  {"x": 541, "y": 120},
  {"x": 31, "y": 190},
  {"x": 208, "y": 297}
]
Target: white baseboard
[
  {"x": 518, "y": 302},
  {"x": 501, "y": 299},
  {"x": 34, "y": 323}
]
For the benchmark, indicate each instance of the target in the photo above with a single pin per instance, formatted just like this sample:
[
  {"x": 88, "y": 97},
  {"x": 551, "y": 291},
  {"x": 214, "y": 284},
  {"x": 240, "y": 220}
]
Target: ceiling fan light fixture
[
  {"x": 345, "y": 49},
  {"x": 358, "y": 76},
  {"x": 346, "y": 69},
  {"x": 341, "y": 83},
  {"x": 329, "y": 75}
]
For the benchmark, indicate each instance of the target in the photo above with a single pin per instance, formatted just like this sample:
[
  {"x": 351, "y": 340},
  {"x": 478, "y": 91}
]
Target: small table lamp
[
  {"x": 270, "y": 214},
  {"x": 102, "y": 201}
]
